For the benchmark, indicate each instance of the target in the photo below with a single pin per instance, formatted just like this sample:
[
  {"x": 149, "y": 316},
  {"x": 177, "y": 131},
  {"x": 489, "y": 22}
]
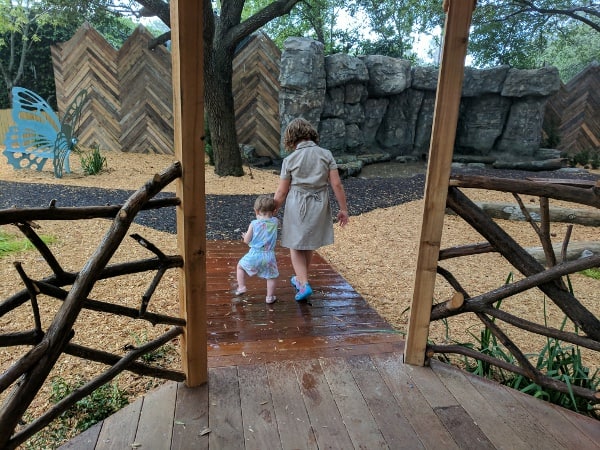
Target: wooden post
[
  {"x": 188, "y": 116},
  {"x": 445, "y": 119}
]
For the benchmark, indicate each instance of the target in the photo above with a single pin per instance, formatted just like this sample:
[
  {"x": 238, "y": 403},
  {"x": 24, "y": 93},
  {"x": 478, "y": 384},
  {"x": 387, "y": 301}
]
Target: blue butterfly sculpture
[{"x": 38, "y": 134}]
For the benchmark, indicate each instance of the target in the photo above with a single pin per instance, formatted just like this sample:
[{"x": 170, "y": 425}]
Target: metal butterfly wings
[{"x": 38, "y": 134}]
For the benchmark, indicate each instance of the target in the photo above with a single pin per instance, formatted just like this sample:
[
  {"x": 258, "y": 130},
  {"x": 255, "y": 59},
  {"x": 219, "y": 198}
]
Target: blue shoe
[
  {"x": 294, "y": 283},
  {"x": 304, "y": 292}
]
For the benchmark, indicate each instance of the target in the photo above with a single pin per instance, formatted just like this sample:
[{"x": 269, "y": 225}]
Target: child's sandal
[
  {"x": 240, "y": 291},
  {"x": 270, "y": 299}
]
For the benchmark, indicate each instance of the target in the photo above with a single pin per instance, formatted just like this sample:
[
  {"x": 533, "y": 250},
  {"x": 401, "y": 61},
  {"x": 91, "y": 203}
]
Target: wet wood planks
[{"x": 325, "y": 375}]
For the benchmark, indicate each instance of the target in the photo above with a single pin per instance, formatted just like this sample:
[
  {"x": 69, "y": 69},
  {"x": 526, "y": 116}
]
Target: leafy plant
[
  {"x": 93, "y": 162},
  {"x": 556, "y": 360},
  {"x": 158, "y": 354},
  {"x": 97, "y": 406}
]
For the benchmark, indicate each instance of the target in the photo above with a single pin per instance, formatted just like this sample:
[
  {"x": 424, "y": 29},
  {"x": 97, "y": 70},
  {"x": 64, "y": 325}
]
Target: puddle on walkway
[{"x": 393, "y": 170}]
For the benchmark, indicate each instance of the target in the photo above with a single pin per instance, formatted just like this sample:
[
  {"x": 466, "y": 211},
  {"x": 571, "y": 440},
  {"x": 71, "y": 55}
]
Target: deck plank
[
  {"x": 554, "y": 422},
  {"x": 224, "y": 417},
  {"x": 463, "y": 429},
  {"x": 323, "y": 413},
  {"x": 476, "y": 405},
  {"x": 118, "y": 430},
  {"x": 326, "y": 369},
  {"x": 355, "y": 412},
  {"x": 292, "y": 418},
  {"x": 155, "y": 428},
  {"x": 392, "y": 423},
  {"x": 431, "y": 431},
  {"x": 84, "y": 441},
  {"x": 515, "y": 415},
  {"x": 191, "y": 418},
  {"x": 258, "y": 414}
]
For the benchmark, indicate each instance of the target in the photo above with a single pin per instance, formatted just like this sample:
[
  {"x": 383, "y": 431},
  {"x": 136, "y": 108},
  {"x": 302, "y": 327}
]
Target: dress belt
[{"x": 305, "y": 195}]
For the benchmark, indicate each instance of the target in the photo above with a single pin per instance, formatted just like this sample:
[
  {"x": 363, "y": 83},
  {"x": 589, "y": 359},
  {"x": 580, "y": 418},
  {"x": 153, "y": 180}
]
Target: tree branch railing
[
  {"x": 33, "y": 368},
  {"x": 548, "y": 279}
]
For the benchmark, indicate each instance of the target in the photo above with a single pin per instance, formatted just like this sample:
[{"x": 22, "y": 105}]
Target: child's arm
[{"x": 247, "y": 236}]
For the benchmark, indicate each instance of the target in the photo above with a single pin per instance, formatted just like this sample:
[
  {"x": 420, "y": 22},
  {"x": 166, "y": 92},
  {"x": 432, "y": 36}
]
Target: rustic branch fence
[
  {"x": 28, "y": 374},
  {"x": 547, "y": 279}
]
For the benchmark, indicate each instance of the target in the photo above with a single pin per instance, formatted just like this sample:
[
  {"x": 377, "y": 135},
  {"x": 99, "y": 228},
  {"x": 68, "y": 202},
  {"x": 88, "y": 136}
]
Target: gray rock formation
[{"x": 376, "y": 103}]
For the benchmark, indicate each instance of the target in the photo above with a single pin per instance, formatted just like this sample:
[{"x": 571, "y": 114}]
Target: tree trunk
[{"x": 221, "y": 112}]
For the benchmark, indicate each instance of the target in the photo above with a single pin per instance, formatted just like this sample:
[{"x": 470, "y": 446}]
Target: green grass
[
  {"x": 10, "y": 243},
  {"x": 594, "y": 273}
]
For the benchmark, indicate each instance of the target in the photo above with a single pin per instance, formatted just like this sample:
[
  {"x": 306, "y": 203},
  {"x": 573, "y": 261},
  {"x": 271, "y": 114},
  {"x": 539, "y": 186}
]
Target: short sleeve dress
[
  {"x": 260, "y": 260},
  {"x": 307, "y": 220}
]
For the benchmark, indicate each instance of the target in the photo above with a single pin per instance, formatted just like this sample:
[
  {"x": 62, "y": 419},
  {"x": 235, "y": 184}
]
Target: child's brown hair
[
  {"x": 299, "y": 130},
  {"x": 264, "y": 204}
]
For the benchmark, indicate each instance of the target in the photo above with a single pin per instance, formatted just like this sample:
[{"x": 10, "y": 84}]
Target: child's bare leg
[
  {"x": 241, "y": 280},
  {"x": 271, "y": 283}
]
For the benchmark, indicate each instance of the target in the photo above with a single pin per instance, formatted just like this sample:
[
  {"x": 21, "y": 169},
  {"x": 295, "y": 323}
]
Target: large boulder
[
  {"x": 424, "y": 78},
  {"x": 332, "y": 134},
  {"x": 484, "y": 81},
  {"x": 302, "y": 81},
  {"x": 397, "y": 131},
  {"x": 387, "y": 76},
  {"x": 538, "y": 82},
  {"x": 523, "y": 131},
  {"x": 302, "y": 65},
  {"x": 424, "y": 124},
  {"x": 481, "y": 123},
  {"x": 375, "y": 109},
  {"x": 342, "y": 69}
]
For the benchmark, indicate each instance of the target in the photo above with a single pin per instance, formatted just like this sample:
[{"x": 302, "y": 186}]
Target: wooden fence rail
[
  {"x": 28, "y": 374},
  {"x": 548, "y": 280}
]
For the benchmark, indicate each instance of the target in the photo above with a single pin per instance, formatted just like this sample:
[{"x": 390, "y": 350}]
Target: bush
[
  {"x": 104, "y": 401},
  {"x": 93, "y": 162}
]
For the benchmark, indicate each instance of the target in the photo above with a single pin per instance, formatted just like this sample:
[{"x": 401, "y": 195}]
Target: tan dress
[{"x": 307, "y": 220}]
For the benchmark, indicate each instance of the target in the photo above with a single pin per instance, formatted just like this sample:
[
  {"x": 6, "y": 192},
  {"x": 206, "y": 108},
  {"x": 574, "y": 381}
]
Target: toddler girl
[{"x": 261, "y": 237}]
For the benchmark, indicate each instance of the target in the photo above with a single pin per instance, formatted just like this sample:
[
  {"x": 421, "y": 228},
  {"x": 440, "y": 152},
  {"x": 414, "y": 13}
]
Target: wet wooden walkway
[{"x": 325, "y": 374}]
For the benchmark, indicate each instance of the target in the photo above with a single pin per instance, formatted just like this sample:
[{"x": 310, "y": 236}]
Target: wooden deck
[{"x": 325, "y": 375}]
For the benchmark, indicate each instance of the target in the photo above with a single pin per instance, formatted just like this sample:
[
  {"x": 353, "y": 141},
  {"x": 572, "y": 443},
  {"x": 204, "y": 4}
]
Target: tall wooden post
[
  {"x": 445, "y": 119},
  {"x": 188, "y": 117}
]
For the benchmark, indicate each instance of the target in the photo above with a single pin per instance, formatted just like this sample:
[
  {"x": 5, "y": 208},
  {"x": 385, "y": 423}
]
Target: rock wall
[{"x": 377, "y": 103}]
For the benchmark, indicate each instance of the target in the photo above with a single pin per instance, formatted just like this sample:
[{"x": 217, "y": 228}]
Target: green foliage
[
  {"x": 97, "y": 406},
  {"x": 585, "y": 158},
  {"x": 160, "y": 354},
  {"x": 594, "y": 273},
  {"x": 11, "y": 244},
  {"x": 92, "y": 162},
  {"x": 562, "y": 363},
  {"x": 556, "y": 360},
  {"x": 572, "y": 49}
]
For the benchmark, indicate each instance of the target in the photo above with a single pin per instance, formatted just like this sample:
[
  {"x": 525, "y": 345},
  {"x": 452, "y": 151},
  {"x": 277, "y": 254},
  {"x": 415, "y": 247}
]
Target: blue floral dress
[{"x": 260, "y": 260}]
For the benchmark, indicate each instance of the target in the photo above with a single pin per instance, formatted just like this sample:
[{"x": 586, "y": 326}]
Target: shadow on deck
[{"x": 328, "y": 374}]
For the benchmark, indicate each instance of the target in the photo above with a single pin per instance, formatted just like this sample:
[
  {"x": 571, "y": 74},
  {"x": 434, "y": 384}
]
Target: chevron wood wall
[
  {"x": 87, "y": 61},
  {"x": 576, "y": 111},
  {"x": 130, "y": 105},
  {"x": 256, "y": 94}
]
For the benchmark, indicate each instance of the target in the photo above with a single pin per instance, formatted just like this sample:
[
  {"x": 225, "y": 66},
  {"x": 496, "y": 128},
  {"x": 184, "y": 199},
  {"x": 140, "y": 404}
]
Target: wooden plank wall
[
  {"x": 256, "y": 94},
  {"x": 87, "y": 61},
  {"x": 575, "y": 109},
  {"x": 130, "y": 107},
  {"x": 146, "y": 95}
]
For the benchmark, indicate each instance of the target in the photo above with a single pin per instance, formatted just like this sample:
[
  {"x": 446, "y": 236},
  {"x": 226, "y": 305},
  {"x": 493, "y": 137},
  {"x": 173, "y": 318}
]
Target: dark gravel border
[{"x": 227, "y": 215}]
